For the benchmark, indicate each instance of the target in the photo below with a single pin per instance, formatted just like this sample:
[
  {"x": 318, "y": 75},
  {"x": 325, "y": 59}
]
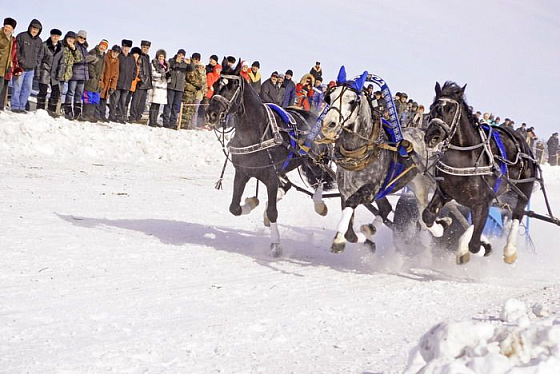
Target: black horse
[
  {"x": 478, "y": 163},
  {"x": 264, "y": 147}
]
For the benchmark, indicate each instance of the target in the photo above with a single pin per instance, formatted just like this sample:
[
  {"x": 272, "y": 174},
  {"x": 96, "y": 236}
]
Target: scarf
[{"x": 255, "y": 77}]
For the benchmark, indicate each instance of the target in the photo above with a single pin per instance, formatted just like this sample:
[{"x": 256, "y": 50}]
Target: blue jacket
[{"x": 289, "y": 94}]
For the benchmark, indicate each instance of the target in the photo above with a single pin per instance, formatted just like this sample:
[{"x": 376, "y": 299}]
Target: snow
[{"x": 118, "y": 255}]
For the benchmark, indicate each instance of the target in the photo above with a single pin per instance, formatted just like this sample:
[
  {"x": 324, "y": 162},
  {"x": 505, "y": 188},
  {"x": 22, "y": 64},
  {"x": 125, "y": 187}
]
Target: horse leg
[
  {"x": 284, "y": 187},
  {"x": 272, "y": 214},
  {"x": 429, "y": 215},
  {"x": 470, "y": 242},
  {"x": 320, "y": 206},
  {"x": 239, "y": 182},
  {"x": 510, "y": 250},
  {"x": 419, "y": 187}
]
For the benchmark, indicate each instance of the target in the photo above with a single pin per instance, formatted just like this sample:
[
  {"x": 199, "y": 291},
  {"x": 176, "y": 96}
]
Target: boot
[
  {"x": 78, "y": 111},
  {"x": 68, "y": 113},
  {"x": 154, "y": 111},
  {"x": 41, "y": 102},
  {"x": 52, "y": 110},
  {"x": 89, "y": 113}
]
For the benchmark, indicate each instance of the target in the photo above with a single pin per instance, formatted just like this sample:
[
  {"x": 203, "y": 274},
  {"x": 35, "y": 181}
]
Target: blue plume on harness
[{"x": 503, "y": 154}]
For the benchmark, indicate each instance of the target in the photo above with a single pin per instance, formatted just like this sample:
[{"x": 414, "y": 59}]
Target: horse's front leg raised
[
  {"x": 272, "y": 214},
  {"x": 429, "y": 214},
  {"x": 470, "y": 241},
  {"x": 239, "y": 182},
  {"x": 320, "y": 206}
]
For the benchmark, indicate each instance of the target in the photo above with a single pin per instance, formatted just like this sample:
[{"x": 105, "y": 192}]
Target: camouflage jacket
[
  {"x": 195, "y": 81},
  {"x": 69, "y": 56}
]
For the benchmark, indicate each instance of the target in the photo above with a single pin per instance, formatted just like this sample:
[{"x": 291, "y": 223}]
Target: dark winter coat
[
  {"x": 144, "y": 73},
  {"x": 127, "y": 71},
  {"x": 80, "y": 68},
  {"x": 289, "y": 94},
  {"x": 95, "y": 70},
  {"x": 177, "y": 74},
  {"x": 110, "y": 75},
  {"x": 316, "y": 73},
  {"x": 552, "y": 145},
  {"x": 281, "y": 93},
  {"x": 45, "y": 69},
  {"x": 269, "y": 92},
  {"x": 30, "y": 49}
]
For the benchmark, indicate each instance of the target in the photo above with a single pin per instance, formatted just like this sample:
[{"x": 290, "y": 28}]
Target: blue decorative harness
[
  {"x": 501, "y": 149},
  {"x": 291, "y": 122}
]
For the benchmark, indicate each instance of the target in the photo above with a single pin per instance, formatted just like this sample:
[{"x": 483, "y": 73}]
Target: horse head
[
  {"x": 344, "y": 102},
  {"x": 227, "y": 98},
  {"x": 445, "y": 113}
]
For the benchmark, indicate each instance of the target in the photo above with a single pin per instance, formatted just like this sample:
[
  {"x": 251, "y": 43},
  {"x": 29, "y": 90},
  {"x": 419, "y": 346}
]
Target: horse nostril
[{"x": 331, "y": 125}]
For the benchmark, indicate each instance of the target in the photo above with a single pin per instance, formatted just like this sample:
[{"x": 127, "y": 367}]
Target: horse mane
[{"x": 453, "y": 91}]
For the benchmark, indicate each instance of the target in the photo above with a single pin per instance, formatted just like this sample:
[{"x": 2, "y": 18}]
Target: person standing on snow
[
  {"x": 157, "y": 95},
  {"x": 50, "y": 48},
  {"x": 289, "y": 89},
  {"x": 92, "y": 87},
  {"x": 80, "y": 74},
  {"x": 109, "y": 78},
  {"x": 8, "y": 57},
  {"x": 144, "y": 84}
]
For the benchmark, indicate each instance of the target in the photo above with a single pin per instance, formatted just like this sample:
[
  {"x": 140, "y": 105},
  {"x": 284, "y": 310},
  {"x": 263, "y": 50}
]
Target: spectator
[
  {"x": 281, "y": 89},
  {"x": 109, "y": 78},
  {"x": 369, "y": 92},
  {"x": 269, "y": 89},
  {"x": 531, "y": 138},
  {"x": 158, "y": 92},
  {"x": 212, "y": 78},
  {"x": 127, "y": 73},
  {"x": 255, "y": 77},
  {"x": 304, "y": 92},
  {"x": 401, "y": 103},
  {"x": 63, "y": 65},
  {"x": 290, "y": 89},
  {"x": 539, "y": 152},
  {"x": 175, "y": 88},
  {"x": 316, "y": 71},
  {"x": 498, "y": 121},
  {"x": 552, "y": 145},
  {"x": 138, "y": 104},
  {"x": 29, "y": 56},
  {"x": 213, "y": 61},
  {"x": 196, "y": 83},
  {"x": 379, "y": 102},
  {"x": 417, "y": 119},
  {"x": 8, "y": 57},
  {"x": 522, "y": 130},
  {"x": 50, "y": 48},
  {"x": 477, "y": 115},
  {"x": 318, "y": 96},
  {"x": 245, "y": 71},
  {"x": 80, "y": 74},
  {"x": 92, "y": 87}
]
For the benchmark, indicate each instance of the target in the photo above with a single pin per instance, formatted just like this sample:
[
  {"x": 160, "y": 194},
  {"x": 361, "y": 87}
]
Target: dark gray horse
[
  {"x": 364, "y": 159},
  {"x": 478, "y": 164},
  {"x": 263, "y": 147}
]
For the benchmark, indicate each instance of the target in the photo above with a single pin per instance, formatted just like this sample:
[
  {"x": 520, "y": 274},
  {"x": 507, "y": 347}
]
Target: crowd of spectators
[{"x": 102, "y": 84}]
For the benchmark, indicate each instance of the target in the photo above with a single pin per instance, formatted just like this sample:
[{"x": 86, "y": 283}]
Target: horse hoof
[
  {"x": 369, "y": 229},
  {"x": 436, "y": 229},
  {"x": 321, "y": 209},
  {"x": 338, "y": 247},
  {"x": 275, "y": 250},
  {"x": 487, "y": 249},
  {"x": 253, "y": 202},
  {"x": 370, "y": 245},
  {"x": 445, "y": 222},
  {"x": 510, "y": 259},
  {"x": 463, "y": 259},
  {"x": 266, "y": 221}
]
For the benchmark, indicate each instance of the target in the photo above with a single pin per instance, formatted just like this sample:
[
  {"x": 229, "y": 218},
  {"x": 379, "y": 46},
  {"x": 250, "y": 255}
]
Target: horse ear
[
  {"x": 463, "y": 89},
  {"x": 238, "y": 67},
  {"x": 341, "y": 75},
  {"x": 361, "y": 81},
  {"x": 438, "y": 89}
]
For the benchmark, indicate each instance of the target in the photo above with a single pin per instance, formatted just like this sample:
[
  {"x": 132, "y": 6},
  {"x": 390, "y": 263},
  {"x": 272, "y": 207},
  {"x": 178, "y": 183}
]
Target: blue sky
[{"x": 506, "y": 51}]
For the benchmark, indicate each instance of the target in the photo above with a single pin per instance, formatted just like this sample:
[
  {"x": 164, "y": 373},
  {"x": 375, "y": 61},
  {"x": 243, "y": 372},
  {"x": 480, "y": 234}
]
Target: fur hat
[
  {"x": 126, "y": 43},
  {"x": 214, "y": 57},
  {"x": 116, "y": 48},
  {"x": 56, "y": 32},
  {"x": 104, "y": 42},
  {"x": 290, "y": 72},
  {"x": 196, "y": 56},
  {"x": 161, "y": 52},
  {"x": 82, "y": 34},
  {"x": 145, "y": 43},
  {"x": 257, "y": 64},
  {"x": 10, "y": 21},
  {"x": 136, "y": 50},
  {"x": 70, "y": 34},
  {"x": 182, "y": 52}
]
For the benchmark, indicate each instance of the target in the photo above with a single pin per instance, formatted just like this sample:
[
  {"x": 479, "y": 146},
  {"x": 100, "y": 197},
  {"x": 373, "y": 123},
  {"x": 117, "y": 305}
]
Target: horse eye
[{"x": 352, "y": 102}]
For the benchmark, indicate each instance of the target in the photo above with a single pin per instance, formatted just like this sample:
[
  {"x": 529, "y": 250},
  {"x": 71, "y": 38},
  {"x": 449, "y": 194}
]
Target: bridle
[
  {"x": 235, "y": 99},
  {"x": 449, "y": 129},
  {"x": 354, "y": 106}
]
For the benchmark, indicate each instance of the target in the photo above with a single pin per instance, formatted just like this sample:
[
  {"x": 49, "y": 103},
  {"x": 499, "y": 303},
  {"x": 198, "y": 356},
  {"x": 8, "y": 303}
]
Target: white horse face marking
[{"x": 342, "y": 112}]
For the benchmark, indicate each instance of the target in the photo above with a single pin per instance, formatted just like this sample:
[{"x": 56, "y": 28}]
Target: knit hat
[
  {"x": 56, "y": 32},
  {"x": 116, "y": 48},
  {"x": 244, "y": 63},
  {"x": 196, "y": 56},
  {"x": 70, "y": 34},
  {"x": 104, "y": 42},
  {"x": 290, "y": 72},
  {"x": 182, "y": 52},
  {"x": 145, "y": 43},
  {"x": 10, "y": 21},
  {"x": 214, "y": 57},
  {"x": 274, "y": 74},
  {"x": 257, "y": 64},
  {"x": 136, "y": 50},
  {"x": 126, "y": 43},
  {"x": 82, "y": 34}
]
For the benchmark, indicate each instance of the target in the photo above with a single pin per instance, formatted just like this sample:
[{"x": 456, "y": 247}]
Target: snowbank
[
  {"x": 37, "y": 134},
  {"x": 520, "y": 342}
]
